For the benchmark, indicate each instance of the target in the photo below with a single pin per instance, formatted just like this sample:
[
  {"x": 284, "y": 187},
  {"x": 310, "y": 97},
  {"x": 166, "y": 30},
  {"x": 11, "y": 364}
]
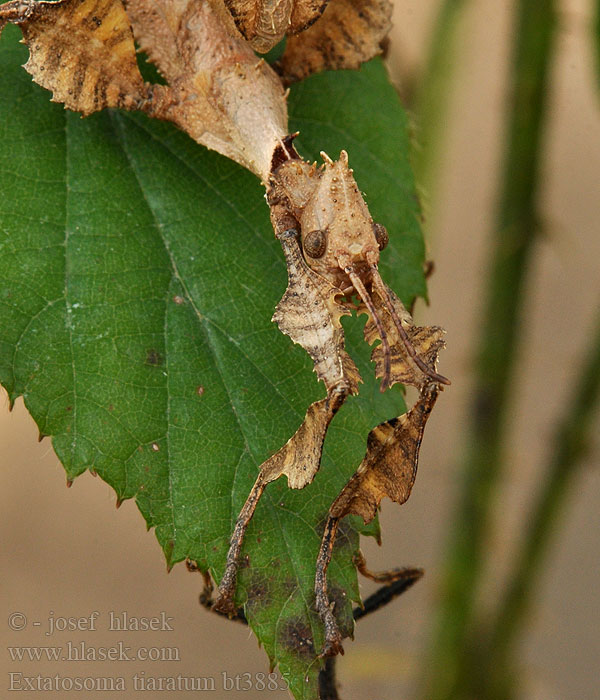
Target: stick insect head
[{"x": 337, "y": 228}]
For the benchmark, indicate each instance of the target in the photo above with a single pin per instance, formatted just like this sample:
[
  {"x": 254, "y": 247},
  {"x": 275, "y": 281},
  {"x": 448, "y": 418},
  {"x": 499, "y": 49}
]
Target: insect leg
[
  {"x": 364, "y": 295},
  {"x": 224, "y": 600},
  {"x": 387, "y": 593},
  {"x": 389, "y": 575},
  {"x": 333, "y": 639}
]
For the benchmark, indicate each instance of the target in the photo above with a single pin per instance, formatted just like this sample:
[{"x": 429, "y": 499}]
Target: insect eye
[
  {"x": 315, "y": 243},
  {"x": 381, "y": 236}
]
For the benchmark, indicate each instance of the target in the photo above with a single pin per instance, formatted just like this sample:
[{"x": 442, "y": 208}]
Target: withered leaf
[
  {"x": 426, "y": 341},
  {"x": 82, "y": 50},
  {"x": 265, "y": 22},
  {"x": 349, "y": 33},
  {"x": 304, "y": 14},
  {"x": 389, "y": 467},
  {"x": 219, "y": 92},
  {"x": 309, "y": 313}
]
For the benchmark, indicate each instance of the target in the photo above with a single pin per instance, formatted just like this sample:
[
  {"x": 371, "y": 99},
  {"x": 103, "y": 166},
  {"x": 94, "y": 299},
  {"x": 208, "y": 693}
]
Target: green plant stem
[
  {"x": 516, "y": 228},
  {"x": 431, "y": 104},
  {"x": 569, "y": 448},
  {"x": 596, "y": 39}
]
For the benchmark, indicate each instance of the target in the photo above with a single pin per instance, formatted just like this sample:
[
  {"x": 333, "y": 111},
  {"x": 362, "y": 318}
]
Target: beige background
[{"x": 71, "y": 552}]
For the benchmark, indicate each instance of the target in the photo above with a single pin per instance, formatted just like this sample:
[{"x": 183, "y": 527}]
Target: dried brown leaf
[
  {"x": 82, "y": 50},
  {"x": 309, "y": 313},
  {"x": 304, "y": 14},
  {"x": 265, "y": 22},
  {"x": 349, "y": 33}
]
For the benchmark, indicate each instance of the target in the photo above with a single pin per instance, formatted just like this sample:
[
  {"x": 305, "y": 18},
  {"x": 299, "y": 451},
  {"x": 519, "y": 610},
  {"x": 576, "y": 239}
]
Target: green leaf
[{"x": 139, "y": 274}]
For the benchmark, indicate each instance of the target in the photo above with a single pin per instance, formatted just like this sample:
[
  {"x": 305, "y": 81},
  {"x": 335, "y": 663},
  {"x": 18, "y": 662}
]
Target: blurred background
[{"x": 68, "y": 552}]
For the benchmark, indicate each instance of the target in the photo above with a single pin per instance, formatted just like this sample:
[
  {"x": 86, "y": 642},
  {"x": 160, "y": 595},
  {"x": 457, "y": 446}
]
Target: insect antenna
[
  {"x": 383, "y": 292},
  {"x": 364, "y": 295}
]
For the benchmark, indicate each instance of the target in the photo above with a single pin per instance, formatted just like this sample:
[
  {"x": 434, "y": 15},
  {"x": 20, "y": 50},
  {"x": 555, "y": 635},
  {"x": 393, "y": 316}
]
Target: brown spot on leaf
[
  {"x": 296, "y": 637},
  {"x": 259, "y": 592},
  {"x": 200, "y": 390},
  {"x": 154, "y": 358}
]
